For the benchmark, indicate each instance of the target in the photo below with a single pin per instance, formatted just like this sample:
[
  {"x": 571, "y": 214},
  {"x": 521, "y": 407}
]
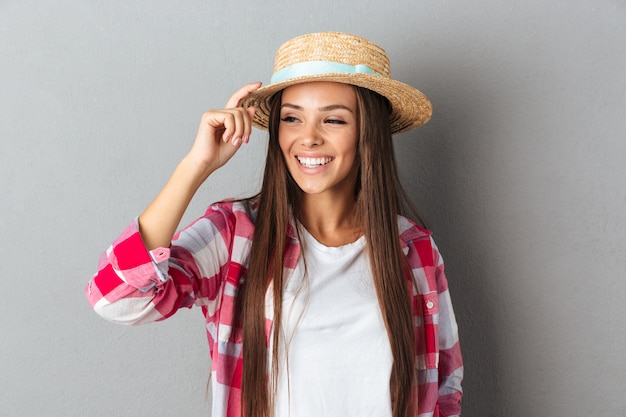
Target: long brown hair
[{"x": 379, "y": 198}]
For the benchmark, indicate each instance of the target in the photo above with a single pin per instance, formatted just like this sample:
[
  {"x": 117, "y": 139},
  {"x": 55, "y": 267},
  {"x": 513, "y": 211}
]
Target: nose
[{"x": 311, "y": 135}]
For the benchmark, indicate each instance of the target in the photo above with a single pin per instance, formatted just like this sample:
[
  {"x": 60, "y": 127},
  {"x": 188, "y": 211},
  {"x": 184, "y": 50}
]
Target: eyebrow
[{"x": 324, "y": 108}]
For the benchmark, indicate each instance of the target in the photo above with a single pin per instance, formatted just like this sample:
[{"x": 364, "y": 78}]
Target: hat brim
[{"x": 410, "y": 107}]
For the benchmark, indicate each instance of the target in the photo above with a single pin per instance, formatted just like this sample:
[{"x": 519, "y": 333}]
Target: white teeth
[{"x": 313, "y": 162}]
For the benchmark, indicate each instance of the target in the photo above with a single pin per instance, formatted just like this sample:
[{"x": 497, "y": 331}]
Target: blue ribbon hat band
[{"x": 303, "y": 69}]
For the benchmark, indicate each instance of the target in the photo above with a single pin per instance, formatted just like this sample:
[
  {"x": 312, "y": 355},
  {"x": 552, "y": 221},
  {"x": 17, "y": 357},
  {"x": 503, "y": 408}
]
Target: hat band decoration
[{"x": 305, "y": 69}]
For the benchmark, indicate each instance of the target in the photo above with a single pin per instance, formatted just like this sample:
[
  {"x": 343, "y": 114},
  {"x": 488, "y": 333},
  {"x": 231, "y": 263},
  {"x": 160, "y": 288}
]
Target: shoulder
[
  {"x": 228, "y": 218},
  {"x": 234, "y": 210},
  {"x": 418, "y": 244},
  {"x": 410, "y": 231}
]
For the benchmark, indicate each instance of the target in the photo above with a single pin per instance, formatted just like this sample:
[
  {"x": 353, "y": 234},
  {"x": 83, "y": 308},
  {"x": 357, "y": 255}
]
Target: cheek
[
  {"x": 356, "y": 162},
  {"x": 351, "y": 151},
  {"x": 281, "y": 142},
  {"x": 284, "y": 152}
]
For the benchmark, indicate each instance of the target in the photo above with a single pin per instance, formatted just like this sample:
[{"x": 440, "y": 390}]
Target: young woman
[{"x": 319, "y": 297}]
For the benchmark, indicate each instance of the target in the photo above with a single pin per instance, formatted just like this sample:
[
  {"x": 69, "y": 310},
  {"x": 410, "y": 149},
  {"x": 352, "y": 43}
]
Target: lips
[{"x": 313, "y": 162}]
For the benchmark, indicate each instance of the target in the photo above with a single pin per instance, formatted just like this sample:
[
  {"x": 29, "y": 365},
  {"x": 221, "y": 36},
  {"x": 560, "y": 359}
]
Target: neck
[{"x": 331, "y": 219}]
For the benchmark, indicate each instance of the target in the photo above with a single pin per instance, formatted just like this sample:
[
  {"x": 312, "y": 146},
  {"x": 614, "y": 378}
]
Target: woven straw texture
[{"x": 410, "y": 108}]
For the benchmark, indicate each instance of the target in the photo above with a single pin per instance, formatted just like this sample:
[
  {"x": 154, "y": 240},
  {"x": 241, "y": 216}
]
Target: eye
[
  {"x": 289, "y": 119},
  {"x": 336, "y": 121}
]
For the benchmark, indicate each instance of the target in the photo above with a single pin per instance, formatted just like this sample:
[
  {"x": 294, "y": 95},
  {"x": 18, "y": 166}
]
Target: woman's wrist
[{"x": 195, "y": 169}]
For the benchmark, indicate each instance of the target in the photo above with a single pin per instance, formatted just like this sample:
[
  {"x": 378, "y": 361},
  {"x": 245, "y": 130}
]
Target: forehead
[{"x": 320, "y": 93}]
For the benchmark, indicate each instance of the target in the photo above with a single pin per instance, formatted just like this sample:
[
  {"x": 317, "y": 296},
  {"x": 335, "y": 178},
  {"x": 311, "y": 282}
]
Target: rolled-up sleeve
[{"x": 134, "y": 285}]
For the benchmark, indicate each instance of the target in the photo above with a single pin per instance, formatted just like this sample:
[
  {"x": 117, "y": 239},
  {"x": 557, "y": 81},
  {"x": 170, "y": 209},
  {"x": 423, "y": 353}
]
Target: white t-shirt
[{"x": 339, "y": 359}]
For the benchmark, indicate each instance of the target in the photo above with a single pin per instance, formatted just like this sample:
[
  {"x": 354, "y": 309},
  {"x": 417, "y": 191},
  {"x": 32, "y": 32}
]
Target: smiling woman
[
  {"x": 320, "y": 264},
  {"x": 318, "y": 137}
]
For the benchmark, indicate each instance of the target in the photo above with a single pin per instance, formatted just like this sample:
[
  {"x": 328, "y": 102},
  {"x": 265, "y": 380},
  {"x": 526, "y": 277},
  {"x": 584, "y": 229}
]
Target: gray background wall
[{"x": 520, "y": 174}]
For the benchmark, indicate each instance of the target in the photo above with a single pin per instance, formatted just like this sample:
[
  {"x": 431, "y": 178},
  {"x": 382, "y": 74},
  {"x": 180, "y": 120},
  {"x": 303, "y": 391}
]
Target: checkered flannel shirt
[{"x": 205, "y": 265}]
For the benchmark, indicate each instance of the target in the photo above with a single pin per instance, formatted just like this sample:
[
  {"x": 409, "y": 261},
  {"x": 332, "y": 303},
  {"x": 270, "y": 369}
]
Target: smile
[{"x": 313, "y": 162}]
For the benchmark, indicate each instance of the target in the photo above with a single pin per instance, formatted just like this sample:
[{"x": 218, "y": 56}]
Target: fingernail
[{"x": 236, "y": 141}]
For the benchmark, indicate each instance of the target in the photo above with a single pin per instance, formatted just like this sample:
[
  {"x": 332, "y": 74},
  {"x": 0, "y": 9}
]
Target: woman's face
[{"x": 318, "y": 136}]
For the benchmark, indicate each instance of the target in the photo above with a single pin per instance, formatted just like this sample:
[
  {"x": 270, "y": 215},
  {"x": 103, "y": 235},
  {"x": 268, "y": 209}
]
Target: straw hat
[{"x": 343, "y": 58}]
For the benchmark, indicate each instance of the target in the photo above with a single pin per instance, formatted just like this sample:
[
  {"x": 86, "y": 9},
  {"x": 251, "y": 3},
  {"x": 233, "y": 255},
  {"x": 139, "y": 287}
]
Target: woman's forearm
[{"x": 161, "y": 218}]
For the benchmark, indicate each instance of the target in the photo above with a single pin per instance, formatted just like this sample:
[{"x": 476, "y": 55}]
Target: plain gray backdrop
[{"x": 520, "y": 175}]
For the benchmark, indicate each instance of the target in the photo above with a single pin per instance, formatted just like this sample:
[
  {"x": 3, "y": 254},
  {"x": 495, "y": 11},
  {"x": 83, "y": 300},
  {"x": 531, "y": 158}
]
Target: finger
[
  {"x": 240, "y": 94},
  {"x": 213, "y": 122},
  {"x": 239, "y": 128},
  {"x": 221, "y": 122},
  {"x": 249, "y": 118}
]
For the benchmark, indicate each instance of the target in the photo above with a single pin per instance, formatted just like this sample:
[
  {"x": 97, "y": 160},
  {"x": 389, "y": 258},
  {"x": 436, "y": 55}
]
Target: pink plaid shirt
[{"x": 205, "y": 265}]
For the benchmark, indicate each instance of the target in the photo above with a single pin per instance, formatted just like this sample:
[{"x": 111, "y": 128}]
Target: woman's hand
[{"x": 222, "y": 132}]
